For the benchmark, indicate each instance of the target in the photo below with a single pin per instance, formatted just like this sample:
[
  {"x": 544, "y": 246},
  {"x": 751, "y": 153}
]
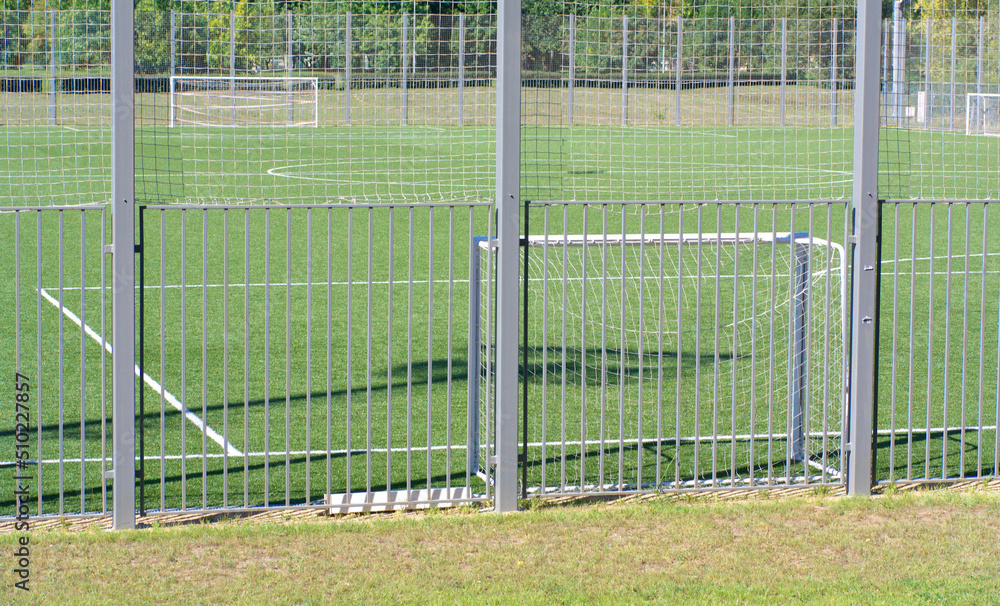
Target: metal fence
[{"x": 511, "y": 256}]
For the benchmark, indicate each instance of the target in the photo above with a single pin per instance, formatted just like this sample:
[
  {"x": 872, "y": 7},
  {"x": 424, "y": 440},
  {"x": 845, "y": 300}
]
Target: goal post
[
  {"x": 777, "y": 299},
  {"x": 244, "y": 101},
  {"x": 982, "y": 116}
]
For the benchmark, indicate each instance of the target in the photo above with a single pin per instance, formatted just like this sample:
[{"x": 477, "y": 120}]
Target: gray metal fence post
[
  {"x": 572, "y": 65},
  {"x": 979, "y": 57},
  {"x": 461, "y": 69},
  {"x": 784, "y": 69},
  {"x": 123, "y": 258},
  {"x": 232, "y": 66},
  {"x": 348, "y": 43},
  {"x": 624, "y": 70},
  {"x": 508, "y": 235},
  {"x": 954, "y": 59},
  {"x": 928, "y": 85},
  {"x": 833, "y": 76},
  {"x": 403, "y": 82},
  {"x": 898, "y": 62},
  {"x": 864, "y": 201},
  {"x": 52, "y": 67},
  {"x": 173, "y": 43},
  {"x": 731, "y": 96},
  {"x": 680, "y": 68},
  {"x": 288, "y": 70}
]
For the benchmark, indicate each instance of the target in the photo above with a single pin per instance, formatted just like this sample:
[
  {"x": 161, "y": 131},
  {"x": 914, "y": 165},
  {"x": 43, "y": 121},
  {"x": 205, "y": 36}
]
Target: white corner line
[{"x": 169, "y": 397}]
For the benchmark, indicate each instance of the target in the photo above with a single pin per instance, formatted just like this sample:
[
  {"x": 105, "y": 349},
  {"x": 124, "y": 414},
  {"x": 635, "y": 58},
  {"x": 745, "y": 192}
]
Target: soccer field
[{"x": 324, "y": 346}]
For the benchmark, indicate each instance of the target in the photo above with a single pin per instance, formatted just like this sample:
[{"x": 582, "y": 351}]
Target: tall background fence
[{"x": 423, "y": 255}]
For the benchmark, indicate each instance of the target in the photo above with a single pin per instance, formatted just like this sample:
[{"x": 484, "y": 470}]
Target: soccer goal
[
  {"x": 741, "y": 337},
  {"x": 243, "y": 101},
  {"x": 982, "y": 115}
]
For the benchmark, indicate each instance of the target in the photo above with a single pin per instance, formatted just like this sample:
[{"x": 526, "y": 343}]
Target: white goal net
[
  {"x": 723, "y": 353},
  {"x": 243, "y": 101},
  {"x": 983, "y": 114}
]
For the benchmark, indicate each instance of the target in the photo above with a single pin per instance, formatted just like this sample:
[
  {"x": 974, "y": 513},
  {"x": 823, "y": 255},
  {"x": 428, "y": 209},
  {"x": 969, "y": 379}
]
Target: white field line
[{"x": 169, "y": 397}]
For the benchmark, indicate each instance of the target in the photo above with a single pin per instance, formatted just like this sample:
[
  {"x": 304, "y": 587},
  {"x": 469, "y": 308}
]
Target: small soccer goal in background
[
  {"x": 243, "y": 101},
  {"x": 726, "y": 350},
  {"x": 982, "y": 115}
]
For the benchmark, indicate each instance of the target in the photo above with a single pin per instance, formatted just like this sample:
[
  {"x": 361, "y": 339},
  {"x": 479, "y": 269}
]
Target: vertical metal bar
[
  {"x": 225, "y": 357},
  {"x": 947, "y": 345},
  {"x": 288, "y": 355},
  {"x": 898, "y": 61},
  {"x": 38, "y": 353},
  {"x": 204, "y": 357},
  {"x": 735, "y": 311},
  {"x": 784, "y": 69},
  {"x": 62, "y": 364},
  {"x": 348, "y": 433},
  {"x": 913, "y": 314},
  {"x": 246, "y": 358},
  {"x": 604, "y": 339},
  {"x": 979, "y": 57},
  {"x": 678, "y": 428},
  {"x": 173, "y": 42},
  {"x": 309, "y": 331},
  {"x": 965, "y": 344},
  {"x": 640, "y": 445},
  {"x": 461, "y": 70},
  {"x": 833, "y": 75},
  {"x": 800, "y": 360},
  {"x": 954, "y": 60},
  {"x": 267, "y": 358},
  {"x": 730, "y": 88},
  {"x": 624, "y": 70},
  {"x": 751, "y": 467},
  {"x": 716, "y": 304},
  {"x": 583, "y": 351},
  {"x": 622, "y": 302},
  {"x": 370, "y": 342},
  {"x": 123, "y": 229},
  {"x": 232, "y": 66},
  {"x": 329, "y": 350},
  {"x": 679, "y": 70},
  {"x": 389, "y": 321},
  {"x": 405, "y": 57},
  {"x": 772, "y": 323},
  {"x": 53, "y": 85},
  {"x": 543, "y": 455},
  {"x": 430, "y": 339},
  {"x": 508, "y": 200},
  {"x": 163, "y": 361},
  {"x": 929, "y": 94},
  {"x": 931, "y": 358},
  {"x": 409, "y": 361},
  {"x": 895, "y": 340},
  {"x": 184, "y": 395},
  {"x": 572, "y": 67},
  {"x": 661, "y": 309},
  {"x": 450, "y": 344},
  {"x": 348, "y": 59},
  {"x": 865, "y": 210},
  {"x": 982, "y": 340},
  {"x": 289, "y": 57},
  {"x": 699, "y": 273},
  {"x": 83, "y": 359},
  {"x": 565, "y": 347}
]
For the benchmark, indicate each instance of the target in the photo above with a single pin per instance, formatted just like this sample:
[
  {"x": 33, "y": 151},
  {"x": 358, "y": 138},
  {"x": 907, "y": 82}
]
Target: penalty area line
[{"x": 148, "y": 380}]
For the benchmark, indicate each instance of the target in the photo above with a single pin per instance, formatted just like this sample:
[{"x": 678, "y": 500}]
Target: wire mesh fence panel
[
  {"x": 939, "y": 363},
  {"x": 56, "y": 308},
  {"x": 55, "y": 107},
  {"x": 307, "y": 356},
  {"x": 679, "y": 346}
]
